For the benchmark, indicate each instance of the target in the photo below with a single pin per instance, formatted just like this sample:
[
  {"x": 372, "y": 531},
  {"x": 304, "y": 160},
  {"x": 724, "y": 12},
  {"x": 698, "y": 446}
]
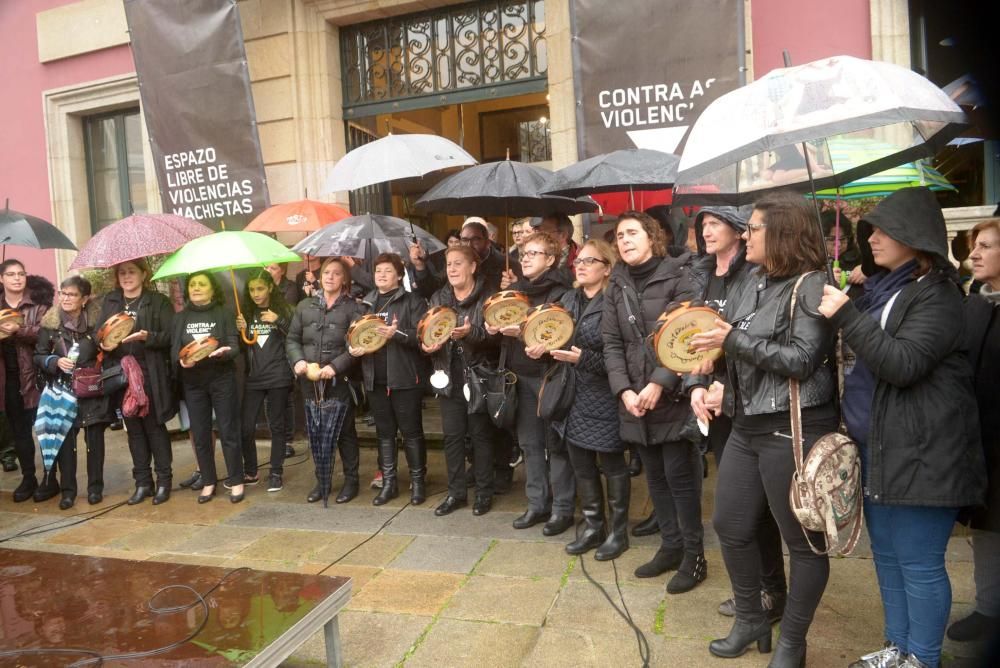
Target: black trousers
[
  {"x": 772, "y": 560},
  {"x": 585, "y": 462},
  {"x": 289, "y": 434},
  {"x": 218, "y": 394},
  {"x": 21, "y": 422},
  {"x": 756, "y": 472},
  {"x": 149, "y": 445},
  {"x": 277, "y": 414},
  {"x": 93, "y": 436},
  {"x": 397, "y": 410},
  {"x": 673, "y": 475},
  {"x": 457, "y": 424}
]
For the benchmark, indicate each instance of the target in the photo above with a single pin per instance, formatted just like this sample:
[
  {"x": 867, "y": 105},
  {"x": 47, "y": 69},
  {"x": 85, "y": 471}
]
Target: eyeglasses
[
  {"x": 467, "y": 241},
  {"x": 588, "y": 261},
  {"x": 69, "y": 295},
  {"x": 532, "y": 254},
  {"x": 15, "y": 274},
  {"x": 755, "y": 227}
]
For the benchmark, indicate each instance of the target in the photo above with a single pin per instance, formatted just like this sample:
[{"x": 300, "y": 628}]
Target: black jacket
[
  {"x": 317, "y": 334},
  {"x": 155, "y": 314},
  {"x": 477, "y": 347},
  {"x": 923, "y": 444},
  {"x": 195, "y": 321},
  {"x": 545, "y": 289},
  {"x": 55, "y": 338},
  {"x": 404, "y": 364},
  {"x": 592, "y": 422},
  {"x": 761, "y": 355},
  {"x": 982, "y": 340},
  {"x": 628, "y": 319},
  {"x": 267, "y": 364}
]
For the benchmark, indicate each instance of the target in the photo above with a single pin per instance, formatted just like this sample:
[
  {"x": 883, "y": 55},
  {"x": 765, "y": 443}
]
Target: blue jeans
[{"x": 909, "y": 543}]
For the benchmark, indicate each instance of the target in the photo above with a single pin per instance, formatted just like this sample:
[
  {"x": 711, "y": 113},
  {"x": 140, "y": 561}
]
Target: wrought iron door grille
[{"x": 436, "y": 53}]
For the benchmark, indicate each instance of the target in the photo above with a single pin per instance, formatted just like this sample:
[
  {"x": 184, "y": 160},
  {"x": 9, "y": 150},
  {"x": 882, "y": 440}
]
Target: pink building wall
[
  {"x": 809, "y": 29},
  {"x": 23, "y": 160}
]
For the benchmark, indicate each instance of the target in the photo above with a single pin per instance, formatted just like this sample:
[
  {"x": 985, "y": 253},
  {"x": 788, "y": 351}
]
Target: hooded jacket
[
  {"x": 154, "y": 313},
  {"x": 404, "y": 364},
  {"x": 36, "y": 300},
  {"x": 628, "y": 320},
  {"x": 923, "y": 443},
  {"x": 477, "y": 347}
]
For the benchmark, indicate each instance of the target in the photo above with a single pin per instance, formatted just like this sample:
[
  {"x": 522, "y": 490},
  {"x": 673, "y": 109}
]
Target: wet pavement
[{"x": 453, "y": 591}]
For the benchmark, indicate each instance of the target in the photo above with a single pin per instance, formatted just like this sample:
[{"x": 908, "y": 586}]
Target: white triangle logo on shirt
[{"x": 262, "y": 339}]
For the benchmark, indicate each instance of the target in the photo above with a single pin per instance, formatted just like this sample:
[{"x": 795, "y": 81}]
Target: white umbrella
[
  {"x": 395, "y": 157},
  {"x": 775, "y": 132}
]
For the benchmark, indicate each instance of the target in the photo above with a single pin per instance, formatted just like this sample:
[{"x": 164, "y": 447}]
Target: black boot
[
  {"x": 787, "y": 655},
  {"x": 619, "y": 490},
  {"x": 387, "y": 461},
  {"x": 162, "y": 495},
  {"x": 693, "y": 569},
  {"x": 664, "y": 560},
  {"x": 140, "y": 494},
  {"x": 634, "y": 464},
  {"x": 743, "y": 634},
  {"x": 592, "y": 507},
  {"x": 416, "y": 460},
  {"x": 26, "y": 489},
  {"x": 349, "y": 490},
  {"x": 317, "y": 492},
  {"x": 48, "y": 488},
  {"x": 647, "y": 527}
]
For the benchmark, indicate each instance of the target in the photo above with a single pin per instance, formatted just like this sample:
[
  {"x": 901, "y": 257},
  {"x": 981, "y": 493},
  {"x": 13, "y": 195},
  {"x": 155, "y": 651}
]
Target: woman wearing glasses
[
  {"x": 543, "y": 284},
  {"x": 591, "y": 427},
  {"x": 765, "y": 345}
]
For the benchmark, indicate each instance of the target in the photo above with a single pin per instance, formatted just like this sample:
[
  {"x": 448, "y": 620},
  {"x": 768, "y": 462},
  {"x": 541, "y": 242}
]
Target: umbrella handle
[{"x": 249, "y": 340}]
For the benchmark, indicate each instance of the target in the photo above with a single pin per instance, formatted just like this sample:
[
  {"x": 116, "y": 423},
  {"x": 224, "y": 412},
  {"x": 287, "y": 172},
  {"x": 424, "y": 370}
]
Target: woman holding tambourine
[
  {"x": 392, "y": 378},
  {"x": 467, "y": 345},
  {"x": 205, "y": 343},
  {"x": 149, "y": 344}
]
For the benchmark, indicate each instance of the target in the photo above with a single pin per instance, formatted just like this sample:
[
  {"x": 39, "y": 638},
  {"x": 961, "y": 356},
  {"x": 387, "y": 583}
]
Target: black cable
[
  {"x": 48, "y": 526},
  {"x": 623, "y": 612},
  {"x": 98, "y": 659}
]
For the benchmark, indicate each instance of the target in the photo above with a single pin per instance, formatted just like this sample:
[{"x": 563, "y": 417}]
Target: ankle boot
[
  {"x": 48, "y": 488},
  {"x": 647, "y": 527},
  {"x": 743, "y": 634},
  {"x": 619, "y": 490},
  {"x": 665, "y": 559},
  {"x": 318, "y": 491},
  {"x": 788, "y": 655},
  {"x": 592, "y": 507},
  {"x": 416, "y": 461},
  {"x": 387, "y": 461},
  {"x": 693, "y": 569}
]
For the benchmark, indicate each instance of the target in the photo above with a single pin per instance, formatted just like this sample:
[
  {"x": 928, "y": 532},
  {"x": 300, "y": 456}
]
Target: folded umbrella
[
  {"x": 56, "y": 413},
  {"x": 138, "y": 236},
  {"x": 324, "y": 420},
  {"x": 22, "y": 229}
]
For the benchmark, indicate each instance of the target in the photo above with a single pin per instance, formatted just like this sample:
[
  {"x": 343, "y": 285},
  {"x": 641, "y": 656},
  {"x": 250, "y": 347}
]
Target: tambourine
[
  {"x": 506, "y": 308},
  {"x": 10, "y": 315},
  {"x": 198, "y": 349},
  {"x": 674, "y": 330},
  {"x": 436, "y": 325},
  {"x": 549, "y": 325},
  {"x": 363, "y": 333},
  {"x": 116, "y": 328}
]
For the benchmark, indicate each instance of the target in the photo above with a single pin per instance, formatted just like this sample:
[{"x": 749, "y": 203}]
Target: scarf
[
  {"x": 990, "y": 295},
  {"x": 641, "y": 273},
  {"x": 880, "y": 288}
]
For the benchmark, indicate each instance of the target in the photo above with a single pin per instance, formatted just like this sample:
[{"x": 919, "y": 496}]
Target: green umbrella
[
  {"x": 225, "y": 250},
  {"x": 883, "y": 184}
]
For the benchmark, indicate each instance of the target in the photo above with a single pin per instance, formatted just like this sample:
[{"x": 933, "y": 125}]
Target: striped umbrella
[
  {"x": 55, "y": 416},
  {"x": 882, "y": 184}
]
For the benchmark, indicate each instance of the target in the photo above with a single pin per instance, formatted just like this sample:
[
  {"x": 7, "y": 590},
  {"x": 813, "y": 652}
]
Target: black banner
[
  {"x": 195, "y": 89},
  {"x": 644, "y": 72}
]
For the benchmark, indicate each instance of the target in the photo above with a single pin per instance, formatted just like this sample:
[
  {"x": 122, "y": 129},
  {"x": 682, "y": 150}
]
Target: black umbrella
[
  {"x": 505, "y": 188},
  {"x": 21, "y": 229},
  {"x": 628, "y": 169},
  {"x": 365, "y": 236},
  {"x": 324, "y": 420}
]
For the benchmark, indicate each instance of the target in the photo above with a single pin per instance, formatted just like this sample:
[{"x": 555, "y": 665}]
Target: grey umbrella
[
  {"x": 22, "y": 229},
  {"x": 365, "y": 236},
  {"x": 504, "y": 188},
  {"x": 628, "y": 169}
]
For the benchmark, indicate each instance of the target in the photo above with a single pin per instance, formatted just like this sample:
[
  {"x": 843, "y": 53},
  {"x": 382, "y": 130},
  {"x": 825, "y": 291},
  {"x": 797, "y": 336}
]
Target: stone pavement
[{"x": 454, "y": 591}]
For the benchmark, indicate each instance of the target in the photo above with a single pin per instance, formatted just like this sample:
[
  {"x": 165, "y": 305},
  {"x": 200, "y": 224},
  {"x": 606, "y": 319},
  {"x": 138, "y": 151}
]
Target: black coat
[
  {"x": 55, "y": 339},
  {"x": 267, "y": 364},
  {"x": 545, "y": 289},
  {"x": 982, "y": 340},
  {"x": 317, "y": 334},
  {"x": 923, "y": 443},
  {"x": 592, "y": 422},
  {"x": 477, "y": 347},
  {"x": 404, "y": 365},
  {"x": 628, "y": 319},
  {"x": 155, "y": 314}
]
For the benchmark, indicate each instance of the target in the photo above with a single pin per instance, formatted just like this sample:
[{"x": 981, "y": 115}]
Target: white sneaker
[{"x": 887, "y": 657}]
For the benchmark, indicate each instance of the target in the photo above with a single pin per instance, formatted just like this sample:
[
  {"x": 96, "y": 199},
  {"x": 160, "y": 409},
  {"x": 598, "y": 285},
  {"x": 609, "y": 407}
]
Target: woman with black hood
[
  {"x": 543, "y": 283},
  {"x": 269, "y": 375},
  {"x": 909, "y": 404},
  {"x": 468, "y": 346},
  {"x": 650, "y": 407},
  {"x": 210, "y": 383}
]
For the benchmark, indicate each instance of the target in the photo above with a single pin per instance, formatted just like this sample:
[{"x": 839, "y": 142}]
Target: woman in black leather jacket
[
  {"x": 762, "y": 354},
  {"x": 317, "y": 334},
  {"x": 392, "y": 376}
]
